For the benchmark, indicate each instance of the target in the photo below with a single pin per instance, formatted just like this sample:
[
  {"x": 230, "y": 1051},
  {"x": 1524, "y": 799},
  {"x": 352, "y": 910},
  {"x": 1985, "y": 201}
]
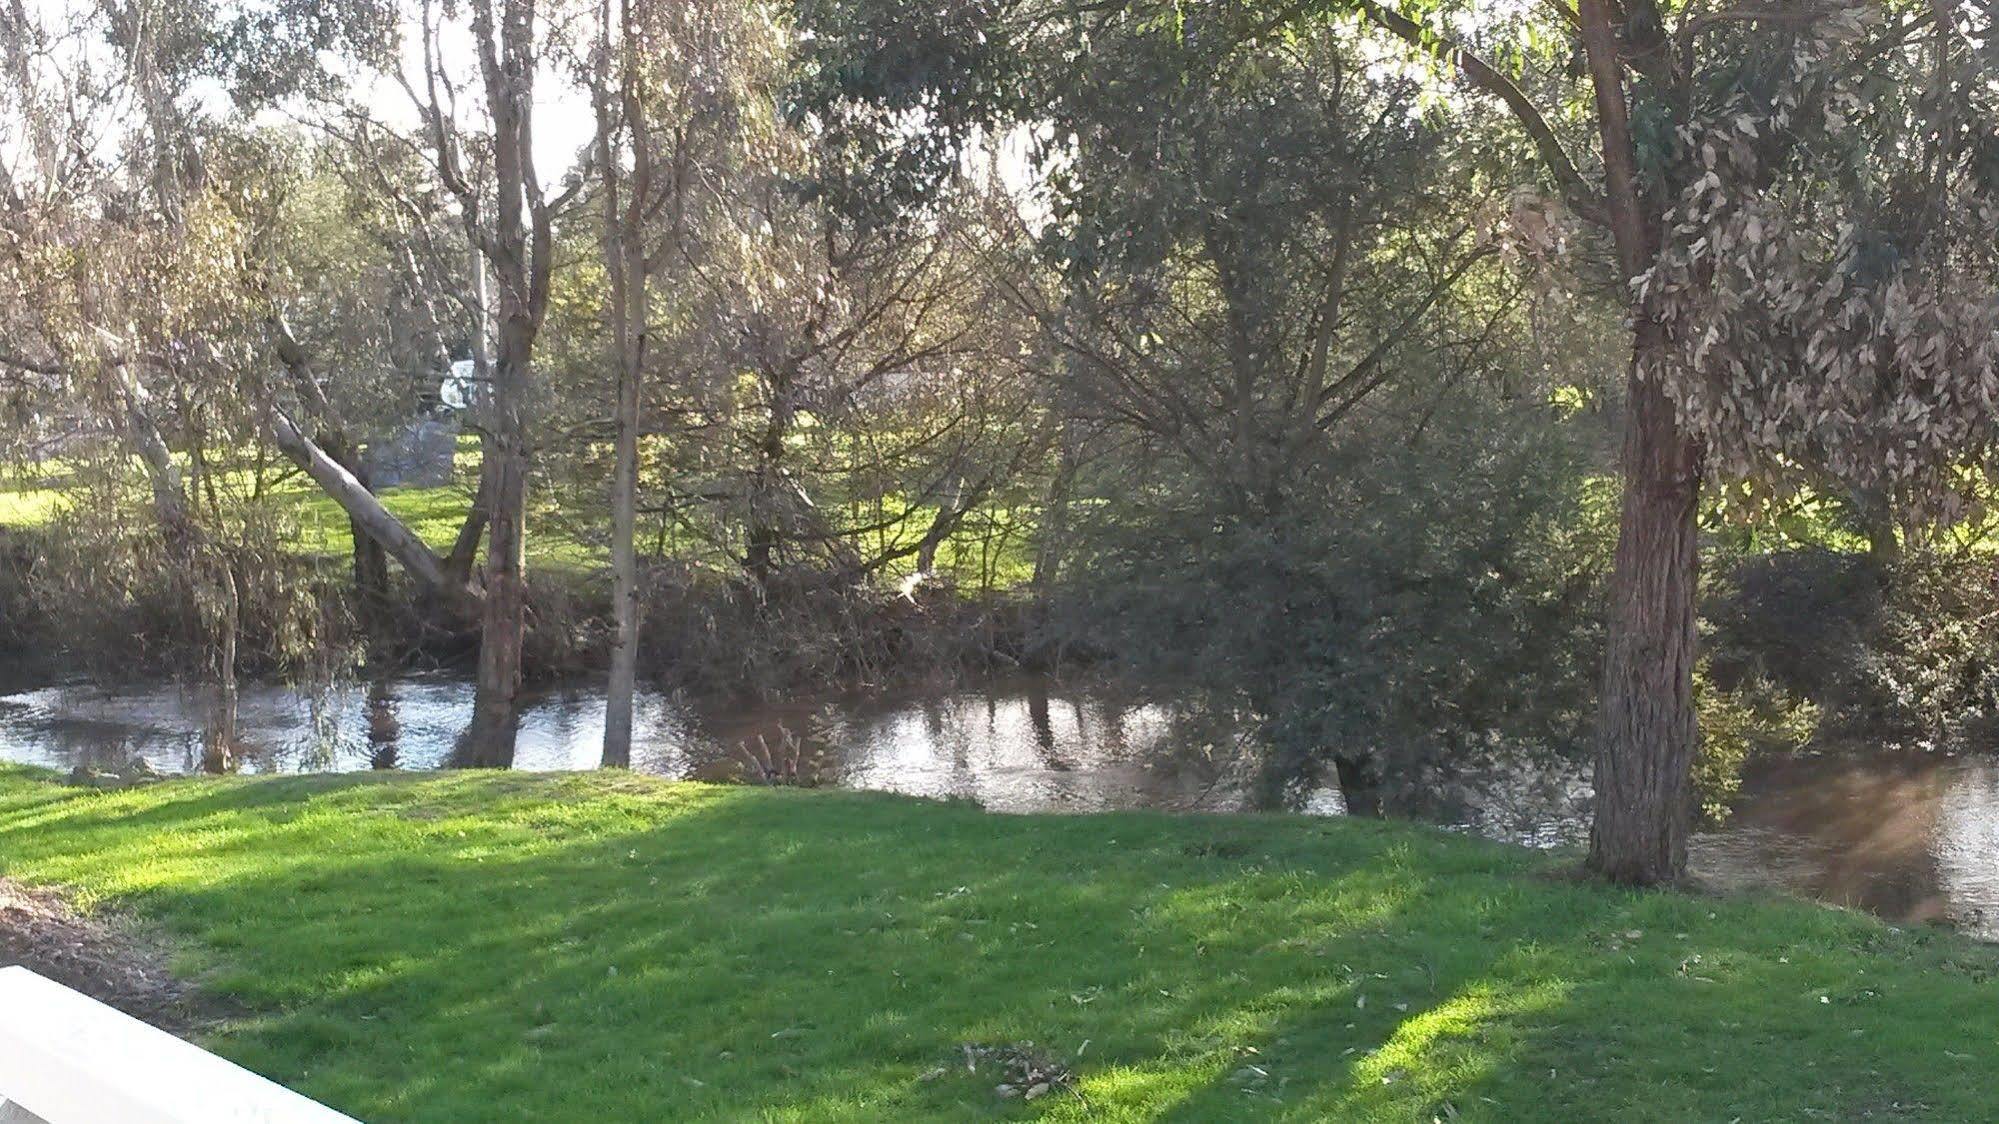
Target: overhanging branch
[{"x": 1584, "y": 199}]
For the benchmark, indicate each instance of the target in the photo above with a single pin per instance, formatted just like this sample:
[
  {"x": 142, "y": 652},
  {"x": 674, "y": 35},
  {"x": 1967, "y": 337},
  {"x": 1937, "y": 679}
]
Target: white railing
[{"x": 65, "y": 1058}]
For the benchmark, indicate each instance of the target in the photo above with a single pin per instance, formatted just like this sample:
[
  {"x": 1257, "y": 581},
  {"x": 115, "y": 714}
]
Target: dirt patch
[{"x": 108, "y": 958}]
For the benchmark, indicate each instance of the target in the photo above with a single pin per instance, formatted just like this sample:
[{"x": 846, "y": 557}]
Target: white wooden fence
[{"x": 65, "y": 1058}]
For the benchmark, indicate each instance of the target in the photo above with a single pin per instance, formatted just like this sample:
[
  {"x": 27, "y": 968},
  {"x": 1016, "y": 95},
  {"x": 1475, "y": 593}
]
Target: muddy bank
[
  {"x": 109, "y": 957},
  {"x": 704, "y": 632}
]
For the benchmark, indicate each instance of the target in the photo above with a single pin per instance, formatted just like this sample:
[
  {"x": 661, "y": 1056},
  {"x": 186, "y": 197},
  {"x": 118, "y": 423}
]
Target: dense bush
[
  {"x": 1802, "y": 619},
  {"x": 1408, "y": 603},
  {"x": 1931, "y": 670},
  {"x": 1910, "y": 653}
]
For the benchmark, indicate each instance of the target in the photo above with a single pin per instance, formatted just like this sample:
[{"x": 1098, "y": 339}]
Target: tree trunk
[
  {"x": 626, "y": 268},
  {"x": 458, "y": 564},
  {"x": 766, "y": 483},
  {"x": 1054, "y": 530},
  {"x": 1646, "y": 726},
  {"x": 371, "y": 562},
  {"x": 949, "y": 513},
  {"x": 1647, "y": 730},
  {"x": 623, "y": 684},
  {"x": 464, "y": 556},
  {"x": 218, "y": 751},
  {"x": 489, "y": 741},
  {"x": 1884, "y": 543},
  {"x": 363, "y": 507}
]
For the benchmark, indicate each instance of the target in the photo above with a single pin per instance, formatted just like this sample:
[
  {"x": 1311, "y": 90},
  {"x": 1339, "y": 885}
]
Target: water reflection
[
  {"x": 1912, "y": 837},
  {"x": 1909, "y": 836},
  {"x": 385, "y": 729},
  {"x": 1014, "y": 748}
]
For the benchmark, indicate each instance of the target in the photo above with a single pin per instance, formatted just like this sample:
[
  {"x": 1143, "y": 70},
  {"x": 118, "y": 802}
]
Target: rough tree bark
[
  {"x": 1646, "y": 731},
  {"x": 1646, "y": 727}
]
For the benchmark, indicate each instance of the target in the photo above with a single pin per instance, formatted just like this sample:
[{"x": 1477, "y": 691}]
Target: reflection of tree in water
[
  {"x": 218, "y": 739},
  {"x": 104, "y": 747},
  {"x": 385, "y": 730},
  {"x": 1043, "y": 724}
]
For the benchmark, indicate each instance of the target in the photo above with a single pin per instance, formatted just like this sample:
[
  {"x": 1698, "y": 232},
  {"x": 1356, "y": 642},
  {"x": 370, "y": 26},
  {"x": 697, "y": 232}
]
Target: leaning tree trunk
[
  {"x": 363, "y": 507},
  {"x": 1647, "y": 732}
]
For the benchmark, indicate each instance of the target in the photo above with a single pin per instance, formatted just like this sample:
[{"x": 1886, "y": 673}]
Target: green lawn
[
  {"x": 435, "y": 514},
  {"x": 1005, "y": 555},
  {"x": 604, "y": 948}
]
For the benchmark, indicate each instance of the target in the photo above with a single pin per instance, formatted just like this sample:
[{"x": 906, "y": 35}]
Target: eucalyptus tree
[
  {"x": 682, "y": 98},
  {"x": 1796, "y": 197},
  {"x": 475, "y": 133},
  {"x": 879, "y": 356},
  {"x": 124, "y": 236},
  {"x": 513, "y": 229},
  {"x": 1799, "y": 199},
  {"x": 1292, "y": 334},
  {"x": 1298, "y": 241}
]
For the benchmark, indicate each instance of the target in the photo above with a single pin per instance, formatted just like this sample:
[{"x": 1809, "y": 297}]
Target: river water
[{"x": 1913, "y": 837}]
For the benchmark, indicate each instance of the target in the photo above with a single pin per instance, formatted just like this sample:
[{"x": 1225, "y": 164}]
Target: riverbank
[{"x": 606, "y": 947}]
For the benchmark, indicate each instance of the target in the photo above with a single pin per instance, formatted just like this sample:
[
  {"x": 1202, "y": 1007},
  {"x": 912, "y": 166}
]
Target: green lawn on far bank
[{"x": 603, "y": 947}]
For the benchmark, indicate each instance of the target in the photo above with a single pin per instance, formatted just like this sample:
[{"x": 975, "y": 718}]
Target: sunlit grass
[
  {"x": 28, "y": 506},
  {"x": 993, "y": 550},
  {"x": 606, "y": 948}
]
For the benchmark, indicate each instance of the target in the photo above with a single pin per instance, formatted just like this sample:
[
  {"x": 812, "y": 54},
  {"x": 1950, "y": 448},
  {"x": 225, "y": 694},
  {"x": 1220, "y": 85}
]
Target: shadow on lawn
[{"x": 474, "y": 947}]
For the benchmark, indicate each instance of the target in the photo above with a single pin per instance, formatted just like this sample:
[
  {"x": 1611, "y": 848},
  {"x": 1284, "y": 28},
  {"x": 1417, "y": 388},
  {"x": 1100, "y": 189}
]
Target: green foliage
[
  {"x": 1907, "y": 653},
  {"x": 1932, "y": 669},
  {"x": 1801, "y": 619},
  {"x": 869, "y": 70},
  {"x": 1423, "y": 604},
  {"x": 606, "y": 947},
  {"x": 1738, "y": 723}
]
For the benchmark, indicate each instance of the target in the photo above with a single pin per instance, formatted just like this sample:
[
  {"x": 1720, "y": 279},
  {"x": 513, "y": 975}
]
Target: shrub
[
  {"x": 1931, "y": 671},
  {"x": 1753, "y": 717}
]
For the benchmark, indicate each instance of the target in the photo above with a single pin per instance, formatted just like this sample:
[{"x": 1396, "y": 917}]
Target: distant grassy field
[
  {"x": 602, "y": 947},
  {"x": 995, "y": 547}
]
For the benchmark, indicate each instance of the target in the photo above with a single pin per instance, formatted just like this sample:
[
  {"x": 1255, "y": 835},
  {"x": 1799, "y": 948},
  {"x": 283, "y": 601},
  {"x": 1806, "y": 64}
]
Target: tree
[
  {"x": 1322, "y": 467},
  {"x": 516, "y": 237},
  {"x": 1678, "y": 99},
  {"x": 680, "y": 91},
  {"x": 1698, "y": 114},
  {"x": 624, "y": 125},
  {"x": 123, "y": 265}
]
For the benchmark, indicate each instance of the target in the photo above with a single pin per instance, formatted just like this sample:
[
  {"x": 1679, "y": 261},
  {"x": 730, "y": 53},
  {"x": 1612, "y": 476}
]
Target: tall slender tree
[{"x": 514, "y": 231}]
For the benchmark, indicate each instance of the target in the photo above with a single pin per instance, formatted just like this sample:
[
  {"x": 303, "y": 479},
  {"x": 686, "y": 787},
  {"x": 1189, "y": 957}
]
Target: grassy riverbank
[{"x": 602, "y": 947}]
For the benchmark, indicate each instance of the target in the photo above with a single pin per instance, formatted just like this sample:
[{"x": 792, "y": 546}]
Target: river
[{"x": 1912, "y": 837}]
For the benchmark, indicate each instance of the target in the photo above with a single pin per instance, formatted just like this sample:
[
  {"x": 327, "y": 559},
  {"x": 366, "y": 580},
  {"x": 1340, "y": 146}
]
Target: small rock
[
  {"x": 1038, "y": 1090},
  {"x": 1006, "y": 1091}
]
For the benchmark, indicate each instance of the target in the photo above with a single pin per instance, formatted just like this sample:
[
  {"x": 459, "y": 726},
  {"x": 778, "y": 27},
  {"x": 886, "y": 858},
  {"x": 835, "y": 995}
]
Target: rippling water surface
[{"x": 1912, "y": 837}]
